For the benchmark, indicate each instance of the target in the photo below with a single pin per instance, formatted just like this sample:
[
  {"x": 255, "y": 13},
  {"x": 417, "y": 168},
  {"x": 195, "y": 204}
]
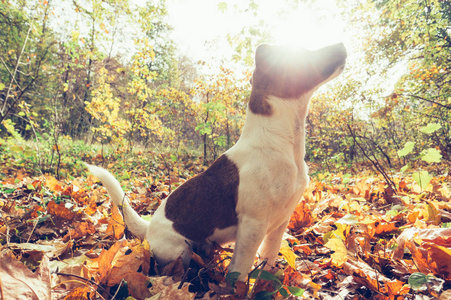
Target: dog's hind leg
[{"x": 249, "y": 237}]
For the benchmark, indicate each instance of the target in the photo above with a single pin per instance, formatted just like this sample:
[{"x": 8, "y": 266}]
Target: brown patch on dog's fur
[
  {"x": 289, "y": 73},
  {"x": 258, "y": 102},
  {"x": 206, "y": 202}
]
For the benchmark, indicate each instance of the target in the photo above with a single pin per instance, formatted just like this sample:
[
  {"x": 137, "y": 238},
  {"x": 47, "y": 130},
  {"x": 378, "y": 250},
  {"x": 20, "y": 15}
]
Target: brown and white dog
[{"x": 248, "y": 194}]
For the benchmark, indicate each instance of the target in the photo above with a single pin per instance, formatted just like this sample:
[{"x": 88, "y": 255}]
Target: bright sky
[{"x": 198, "y": 22}]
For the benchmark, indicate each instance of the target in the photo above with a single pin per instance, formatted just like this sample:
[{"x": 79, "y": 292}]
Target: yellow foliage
[{"x": 105, "y": 107}]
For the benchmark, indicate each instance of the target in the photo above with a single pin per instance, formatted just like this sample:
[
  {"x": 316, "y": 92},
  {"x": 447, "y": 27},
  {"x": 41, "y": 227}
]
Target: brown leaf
[
  {"x": 81, "y": 229},
  {"x": 440, "y": 258},
  {"x": 92, "y": 207},
  {"x": 395, "y": 288},
  {"x": 429, "y": 249},
  {"x": 241, "y": 290},
  {"x": 52, "y": 184},
  {"x": 384, "y": 227},
  {"x": 79, "y": 293},
  {"x": 433, "y": 213},
  {"x": 59, "y": 210},
  {"x": 439, "y": 236},
  {"x": 102, "y": 265},
  {"x": 390, "y": 197},
  {"x": 167, "y": 288},
  {"x": 301, "y": 217},
  {"x": 19, "y": 282},
  {"x": 127, "y": 261},
  {"x": 292, "y": 277},
  {"x": 174, "y": 269},
  {"x": 303, "y": 248},
  {"x": 116, "y": 225}
]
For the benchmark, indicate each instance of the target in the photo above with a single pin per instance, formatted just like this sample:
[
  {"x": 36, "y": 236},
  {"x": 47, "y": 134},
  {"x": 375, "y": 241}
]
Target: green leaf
[
  {"x": 284, "y": 292},
  {"x": 392, "y": 213},
  {"x": 403, "y": 169},
  {"x": 422, "y": 178},
  {"x": 222, "y": 6},
  {"x": 264, "y": 295},
  {"x": 265, "y": 275},
  {"x": 2, "y": 86},
  {"x": 173, "y": 158},
  {"x": 417, "y": 280},
  {"x": 408, "y": 147},
  {"x": 432, "y": 155},
  {"x": 147, "y": 217},
  {"x": 9, "y": 191},
  {"x": 327, "y": 236},
  {"x": 430, "y": 128},
  {"x": 203, "y": 128},
  {"x": 295, "y": 291},
  {"x": 349, "y": 219},
  {"x": 232, "y": 277}
]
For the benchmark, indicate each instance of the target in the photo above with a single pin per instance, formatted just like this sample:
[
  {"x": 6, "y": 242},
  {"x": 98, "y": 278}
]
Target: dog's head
[{"x": 289, "y": 73}]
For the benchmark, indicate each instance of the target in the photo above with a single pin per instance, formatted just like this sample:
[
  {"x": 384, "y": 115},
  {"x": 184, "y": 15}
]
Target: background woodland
[
  {"x": 112, "y": 88},
  {"x": 64, "y": 91}
]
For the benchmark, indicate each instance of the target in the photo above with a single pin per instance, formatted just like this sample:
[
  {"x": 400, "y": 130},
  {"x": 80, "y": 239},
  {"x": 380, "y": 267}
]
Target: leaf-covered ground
[{"x": 350, "y": 237}]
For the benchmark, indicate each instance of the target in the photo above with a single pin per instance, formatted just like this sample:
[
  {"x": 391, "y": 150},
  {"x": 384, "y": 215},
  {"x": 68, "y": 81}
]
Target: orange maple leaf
[
  {"x": 59, "y": 210},
  {"x": 116, "y": 225},
  {"x": 301, "y": 217}
]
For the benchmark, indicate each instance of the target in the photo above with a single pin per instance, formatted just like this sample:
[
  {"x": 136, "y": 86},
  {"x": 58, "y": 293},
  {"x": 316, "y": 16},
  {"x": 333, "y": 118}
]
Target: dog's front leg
[
  {"x": 249, "y": 237},
  {"x": 271, "y": 244}
]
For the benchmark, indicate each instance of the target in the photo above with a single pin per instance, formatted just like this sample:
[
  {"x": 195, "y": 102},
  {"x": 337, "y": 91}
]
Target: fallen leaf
[
  {"x": 301, "y": 217},
  {"x": 288, "y": 254},
  {"x": 166, "y": 288},
  {"x": 116, "y": 225},
  {"x": 440, "y": 258},
  {"x": 79, "y": 293},
  {"x": 19, "y": 282},
  {"x": 52, "y": 184},
  {"x": 103, "y": 265},
  {"x": 59, "y": 210},
  {"x": 340, "y": 256},
  {"x": 81, "y": 229}
]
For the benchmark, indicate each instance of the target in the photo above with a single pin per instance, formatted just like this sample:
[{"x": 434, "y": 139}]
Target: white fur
[
  {"x": 165, "y": 242},
  {"x": 268, "y": 192},
  {"x": 273, "y": 175}
]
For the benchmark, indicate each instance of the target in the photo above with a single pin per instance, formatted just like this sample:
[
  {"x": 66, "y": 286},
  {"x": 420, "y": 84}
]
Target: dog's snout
[{"x": 341, "y": 51}]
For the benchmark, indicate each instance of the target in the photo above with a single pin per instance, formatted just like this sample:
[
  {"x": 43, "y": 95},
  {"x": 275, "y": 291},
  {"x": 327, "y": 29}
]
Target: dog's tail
[{"x": 134, "y": 222}]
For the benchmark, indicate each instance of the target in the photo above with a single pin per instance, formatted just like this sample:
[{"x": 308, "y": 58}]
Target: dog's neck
[{"x": 283, "y": 130}]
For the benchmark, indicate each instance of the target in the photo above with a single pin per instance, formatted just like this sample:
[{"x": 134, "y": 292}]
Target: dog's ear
[{"x": 262, "y": 53}]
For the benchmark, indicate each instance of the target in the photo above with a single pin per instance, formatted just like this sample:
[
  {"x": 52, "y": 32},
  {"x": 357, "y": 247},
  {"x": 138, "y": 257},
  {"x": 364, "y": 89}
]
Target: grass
[{"x": 66, "y": 159}]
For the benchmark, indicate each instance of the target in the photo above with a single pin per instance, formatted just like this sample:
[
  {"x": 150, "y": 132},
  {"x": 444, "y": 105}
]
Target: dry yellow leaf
[
  {"x": 341, "y": 253},
  {"x": 288, "y": 254}
]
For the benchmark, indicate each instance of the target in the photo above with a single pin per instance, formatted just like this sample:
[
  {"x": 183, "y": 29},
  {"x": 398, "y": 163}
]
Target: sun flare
[{"x": 310, "y": 28}]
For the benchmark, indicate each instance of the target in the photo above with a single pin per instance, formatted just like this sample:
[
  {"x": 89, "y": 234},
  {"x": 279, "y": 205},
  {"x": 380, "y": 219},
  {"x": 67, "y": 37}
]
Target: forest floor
[{"x": 350, "y": 237}]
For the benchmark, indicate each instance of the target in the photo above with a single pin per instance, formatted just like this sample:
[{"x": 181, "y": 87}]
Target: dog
[{"x": 249, "y": 193}]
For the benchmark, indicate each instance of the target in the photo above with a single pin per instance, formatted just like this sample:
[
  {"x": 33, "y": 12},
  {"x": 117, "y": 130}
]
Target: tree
[
  {"x": 26, "y": 56},
  {"x": 411, "y": 34},
  {"x": 222, "y": 106}
]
